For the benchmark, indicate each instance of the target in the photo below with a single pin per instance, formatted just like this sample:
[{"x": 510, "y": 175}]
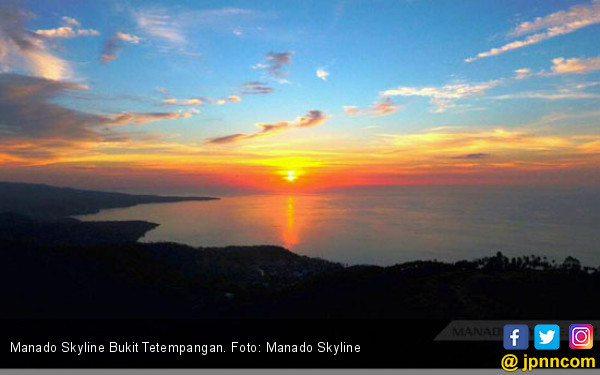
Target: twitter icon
[{"x": 547, "y": 336}]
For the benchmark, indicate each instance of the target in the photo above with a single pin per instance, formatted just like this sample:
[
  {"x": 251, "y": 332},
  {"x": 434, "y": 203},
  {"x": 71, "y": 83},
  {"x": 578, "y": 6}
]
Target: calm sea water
[{"x": 385, "y": 226}]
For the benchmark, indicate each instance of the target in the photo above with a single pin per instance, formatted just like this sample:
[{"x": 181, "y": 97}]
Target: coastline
[{"x": 45, "y": 201}]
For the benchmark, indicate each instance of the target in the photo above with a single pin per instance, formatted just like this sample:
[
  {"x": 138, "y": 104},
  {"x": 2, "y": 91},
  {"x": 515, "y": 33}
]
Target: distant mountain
[
  {"x": 44, "y": 201},
  {"x": 16, "y": 228}
]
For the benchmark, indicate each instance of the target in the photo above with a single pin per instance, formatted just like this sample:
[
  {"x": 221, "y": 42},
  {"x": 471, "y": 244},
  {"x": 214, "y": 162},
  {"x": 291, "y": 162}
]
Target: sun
[{"x": 291, "y": 176}]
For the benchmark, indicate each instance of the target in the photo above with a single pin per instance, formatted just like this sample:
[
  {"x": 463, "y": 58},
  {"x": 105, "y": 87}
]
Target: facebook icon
[{"x": 516, "y": 337}]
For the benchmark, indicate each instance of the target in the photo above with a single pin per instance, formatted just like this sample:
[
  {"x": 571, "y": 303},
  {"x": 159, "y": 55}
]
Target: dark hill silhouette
[
  {"x": 51, "y": 278},
  {"x": 46, "y": 277},
  {"x": 488, "y": 288},
  {"x": 46, "y": 201}
]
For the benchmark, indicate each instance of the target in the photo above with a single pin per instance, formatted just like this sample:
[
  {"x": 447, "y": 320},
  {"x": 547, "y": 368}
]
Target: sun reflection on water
[{"x": 290, "y": 232}]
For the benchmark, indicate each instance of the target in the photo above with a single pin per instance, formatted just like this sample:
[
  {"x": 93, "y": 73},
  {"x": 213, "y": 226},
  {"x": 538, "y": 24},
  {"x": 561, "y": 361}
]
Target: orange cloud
[
  {"x": 67, "y": 31},
  {"x": 137, "y": 118},
  {"x": 114, "y": 45},
  {"x": 497, "y": 141},
  {"x": 575, "y": 65},
  {"x": 194, "y": 102},
  {"x": 522, "y": 73},
  {"x": 312, "y": 118},
  {"x": 443, "y": 155},
  {"x": 383, "y": 107}
]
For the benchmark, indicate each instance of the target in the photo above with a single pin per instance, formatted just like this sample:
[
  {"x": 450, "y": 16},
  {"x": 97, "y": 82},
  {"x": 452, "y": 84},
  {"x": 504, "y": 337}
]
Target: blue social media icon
[
  {"x": 516, "y": 337},
  {"x": 547, "y": 336}
]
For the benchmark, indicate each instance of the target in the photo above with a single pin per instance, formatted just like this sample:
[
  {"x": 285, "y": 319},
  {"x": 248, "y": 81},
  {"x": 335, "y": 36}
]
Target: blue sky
[{"x": 339, "y": 76}]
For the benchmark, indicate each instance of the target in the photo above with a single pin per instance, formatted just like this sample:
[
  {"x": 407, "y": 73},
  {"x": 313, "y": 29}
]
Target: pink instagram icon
[{"x": 581, "y": 336}]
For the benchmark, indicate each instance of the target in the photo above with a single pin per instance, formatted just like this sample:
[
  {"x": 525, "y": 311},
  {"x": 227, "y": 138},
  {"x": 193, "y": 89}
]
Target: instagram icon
[{"x": 581, "y": 336}]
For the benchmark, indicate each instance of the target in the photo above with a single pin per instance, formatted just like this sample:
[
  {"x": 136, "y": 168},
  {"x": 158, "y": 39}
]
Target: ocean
[{"x": 389, "y": 225}]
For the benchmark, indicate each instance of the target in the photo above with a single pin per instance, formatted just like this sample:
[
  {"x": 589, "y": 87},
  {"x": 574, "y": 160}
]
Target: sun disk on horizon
[{"x": 291, "y": 176}]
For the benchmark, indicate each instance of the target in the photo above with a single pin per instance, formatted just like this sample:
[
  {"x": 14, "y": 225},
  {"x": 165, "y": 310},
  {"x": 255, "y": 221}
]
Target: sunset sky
[{"x": 159, "y": 95}]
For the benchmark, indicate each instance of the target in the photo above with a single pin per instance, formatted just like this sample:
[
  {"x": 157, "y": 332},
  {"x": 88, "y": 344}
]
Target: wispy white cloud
[
  {"x": 533, "y": 39},
  {"x": 220, "y": 19},
  {"x": 453, "y": 91},
  {"x": 576, "y": 17},
  {"x": 71, "y": 21},
  {"x": 157, "y": 23},
  {"x": 549, "y": 95},
  {"x": 170, "y": 29},
  {"x": 569, "y": 91},
  {"x": 66, "y": 32},
  {"x": 322, "y": 73},
  {"x": 444, "y": 97},
  {"x": 563, "y": 117},
  {"x": 550, "y": 26},
  {"x": 585, "y": 85}
]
